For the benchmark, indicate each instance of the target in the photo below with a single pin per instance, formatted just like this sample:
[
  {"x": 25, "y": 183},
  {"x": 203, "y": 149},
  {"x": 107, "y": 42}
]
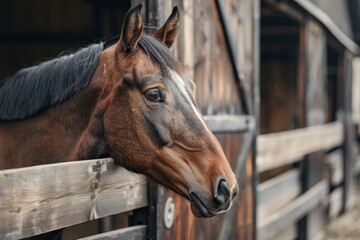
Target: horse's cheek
[
  {"x": 124, "y": 142},
  {"x": 113, "y": 131}
]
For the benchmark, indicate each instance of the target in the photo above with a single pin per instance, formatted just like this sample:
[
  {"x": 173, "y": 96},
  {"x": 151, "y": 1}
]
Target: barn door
[{"x": 216, "y": 45}]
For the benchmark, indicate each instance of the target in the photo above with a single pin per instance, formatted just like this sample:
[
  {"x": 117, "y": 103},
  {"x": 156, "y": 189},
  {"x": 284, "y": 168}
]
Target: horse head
[{"x": 152, "y": 124}]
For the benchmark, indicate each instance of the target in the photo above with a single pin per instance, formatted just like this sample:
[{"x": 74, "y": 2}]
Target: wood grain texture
[
  {"x": 229, "y": 123},
  {"x": 43, "y": 198},
  {"x": 129, "y": 233},
  {"x": 269, "y": 227},
  {"x": 202, "y": 59},
  {"x": 278, "y": 149}
]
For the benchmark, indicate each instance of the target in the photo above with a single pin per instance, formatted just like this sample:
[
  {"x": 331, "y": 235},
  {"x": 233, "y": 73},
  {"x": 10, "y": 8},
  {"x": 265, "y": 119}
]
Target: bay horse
[{"x": 129, "y": 100}]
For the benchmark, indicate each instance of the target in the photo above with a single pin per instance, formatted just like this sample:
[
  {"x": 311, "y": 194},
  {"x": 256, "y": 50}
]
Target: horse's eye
[{"x": 155, "y": 95}]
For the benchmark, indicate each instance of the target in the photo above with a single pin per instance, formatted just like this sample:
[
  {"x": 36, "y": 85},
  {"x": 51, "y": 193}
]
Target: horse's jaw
[{"x": 187, "y": 179}]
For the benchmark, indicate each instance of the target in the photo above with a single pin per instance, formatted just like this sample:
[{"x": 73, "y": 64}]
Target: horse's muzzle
[
  {"x": 219, "y": 203},
  {"x": 200, "y": 207}
]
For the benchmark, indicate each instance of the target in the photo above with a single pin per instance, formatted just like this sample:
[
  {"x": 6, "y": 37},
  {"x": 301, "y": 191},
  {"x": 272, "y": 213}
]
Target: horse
[{"x": 127, "y": 99}]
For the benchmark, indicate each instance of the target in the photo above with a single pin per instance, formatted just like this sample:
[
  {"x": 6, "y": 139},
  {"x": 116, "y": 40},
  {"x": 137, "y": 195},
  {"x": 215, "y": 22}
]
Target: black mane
[
  {"x": 160, "y": 54},
  {"x": 31, "y": 90}
]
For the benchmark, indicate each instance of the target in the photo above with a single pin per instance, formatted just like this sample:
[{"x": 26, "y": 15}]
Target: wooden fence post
[
  {"x": 315, "y": 104},
  {"x": 348, "y": 182}
]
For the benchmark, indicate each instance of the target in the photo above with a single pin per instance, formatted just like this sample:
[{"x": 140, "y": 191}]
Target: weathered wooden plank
[
  {"x": 315, "y": 114},
  {"x": 356, "y": 93},
  {"x": 39, "y": 199},
  {"x": 335, "y": 163},
  {"x": 202, "y": 59},
  {"x": 229, "y": 123},
  {"x": 277, "y": 192},
  {"x": 349, "y": 158},
  {"x": 289, "y": 233},
  {"x": 278, "y": 149},
  {"x": 357, "y": 165},
  {"x": 188, "y": 42},
  {"x": 335, "y": 202},
  {"x": 129, "y": 233},
  {"x": 269, "y": 227},
  {"x": 329, "y": 24}
]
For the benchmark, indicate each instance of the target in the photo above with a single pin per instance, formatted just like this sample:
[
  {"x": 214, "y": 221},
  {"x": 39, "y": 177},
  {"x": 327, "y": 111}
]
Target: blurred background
[
  {"x": 34, "y": 31},
  {"x": 280, "y": 76}
]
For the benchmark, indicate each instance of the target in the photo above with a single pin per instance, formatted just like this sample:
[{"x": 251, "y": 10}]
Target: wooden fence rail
[
  {"x": 43, "y": 198},
  {"x": 280, "y": 202},
  {"x": 277, "y": 192},
  {"x": 287, "y": 216},
  {"x": 129, "y": 233},
  {"x": 278, "y": 149}
]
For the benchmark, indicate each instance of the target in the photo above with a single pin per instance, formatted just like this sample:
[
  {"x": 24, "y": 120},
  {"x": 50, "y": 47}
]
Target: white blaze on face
[{"x": 180, "y": 83}]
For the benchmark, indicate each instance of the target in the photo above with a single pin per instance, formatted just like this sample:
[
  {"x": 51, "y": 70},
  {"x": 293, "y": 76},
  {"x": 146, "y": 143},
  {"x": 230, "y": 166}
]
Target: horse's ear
[
  {"x": 167, "y": 32},
  {"x": 132, "y": 29}
]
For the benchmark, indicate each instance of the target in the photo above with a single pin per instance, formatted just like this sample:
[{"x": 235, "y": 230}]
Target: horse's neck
[{"x": 60, "y": 133}]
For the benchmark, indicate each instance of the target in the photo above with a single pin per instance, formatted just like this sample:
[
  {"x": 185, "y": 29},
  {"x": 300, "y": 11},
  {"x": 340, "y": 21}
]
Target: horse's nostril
[
  {"x": 222, "y": 192},
  {"x": 234, "y": 194}
]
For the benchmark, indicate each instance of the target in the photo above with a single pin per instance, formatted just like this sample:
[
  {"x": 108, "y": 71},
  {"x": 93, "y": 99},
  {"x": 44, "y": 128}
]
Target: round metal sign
[{"x": 169, "y": 212}]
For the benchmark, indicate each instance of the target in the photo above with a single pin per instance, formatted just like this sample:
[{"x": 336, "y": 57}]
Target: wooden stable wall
[{"x": 307, "y": 173}]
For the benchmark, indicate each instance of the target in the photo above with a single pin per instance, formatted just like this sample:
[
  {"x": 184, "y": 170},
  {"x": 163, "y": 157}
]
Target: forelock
[{"x": 160, "y": 54}]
